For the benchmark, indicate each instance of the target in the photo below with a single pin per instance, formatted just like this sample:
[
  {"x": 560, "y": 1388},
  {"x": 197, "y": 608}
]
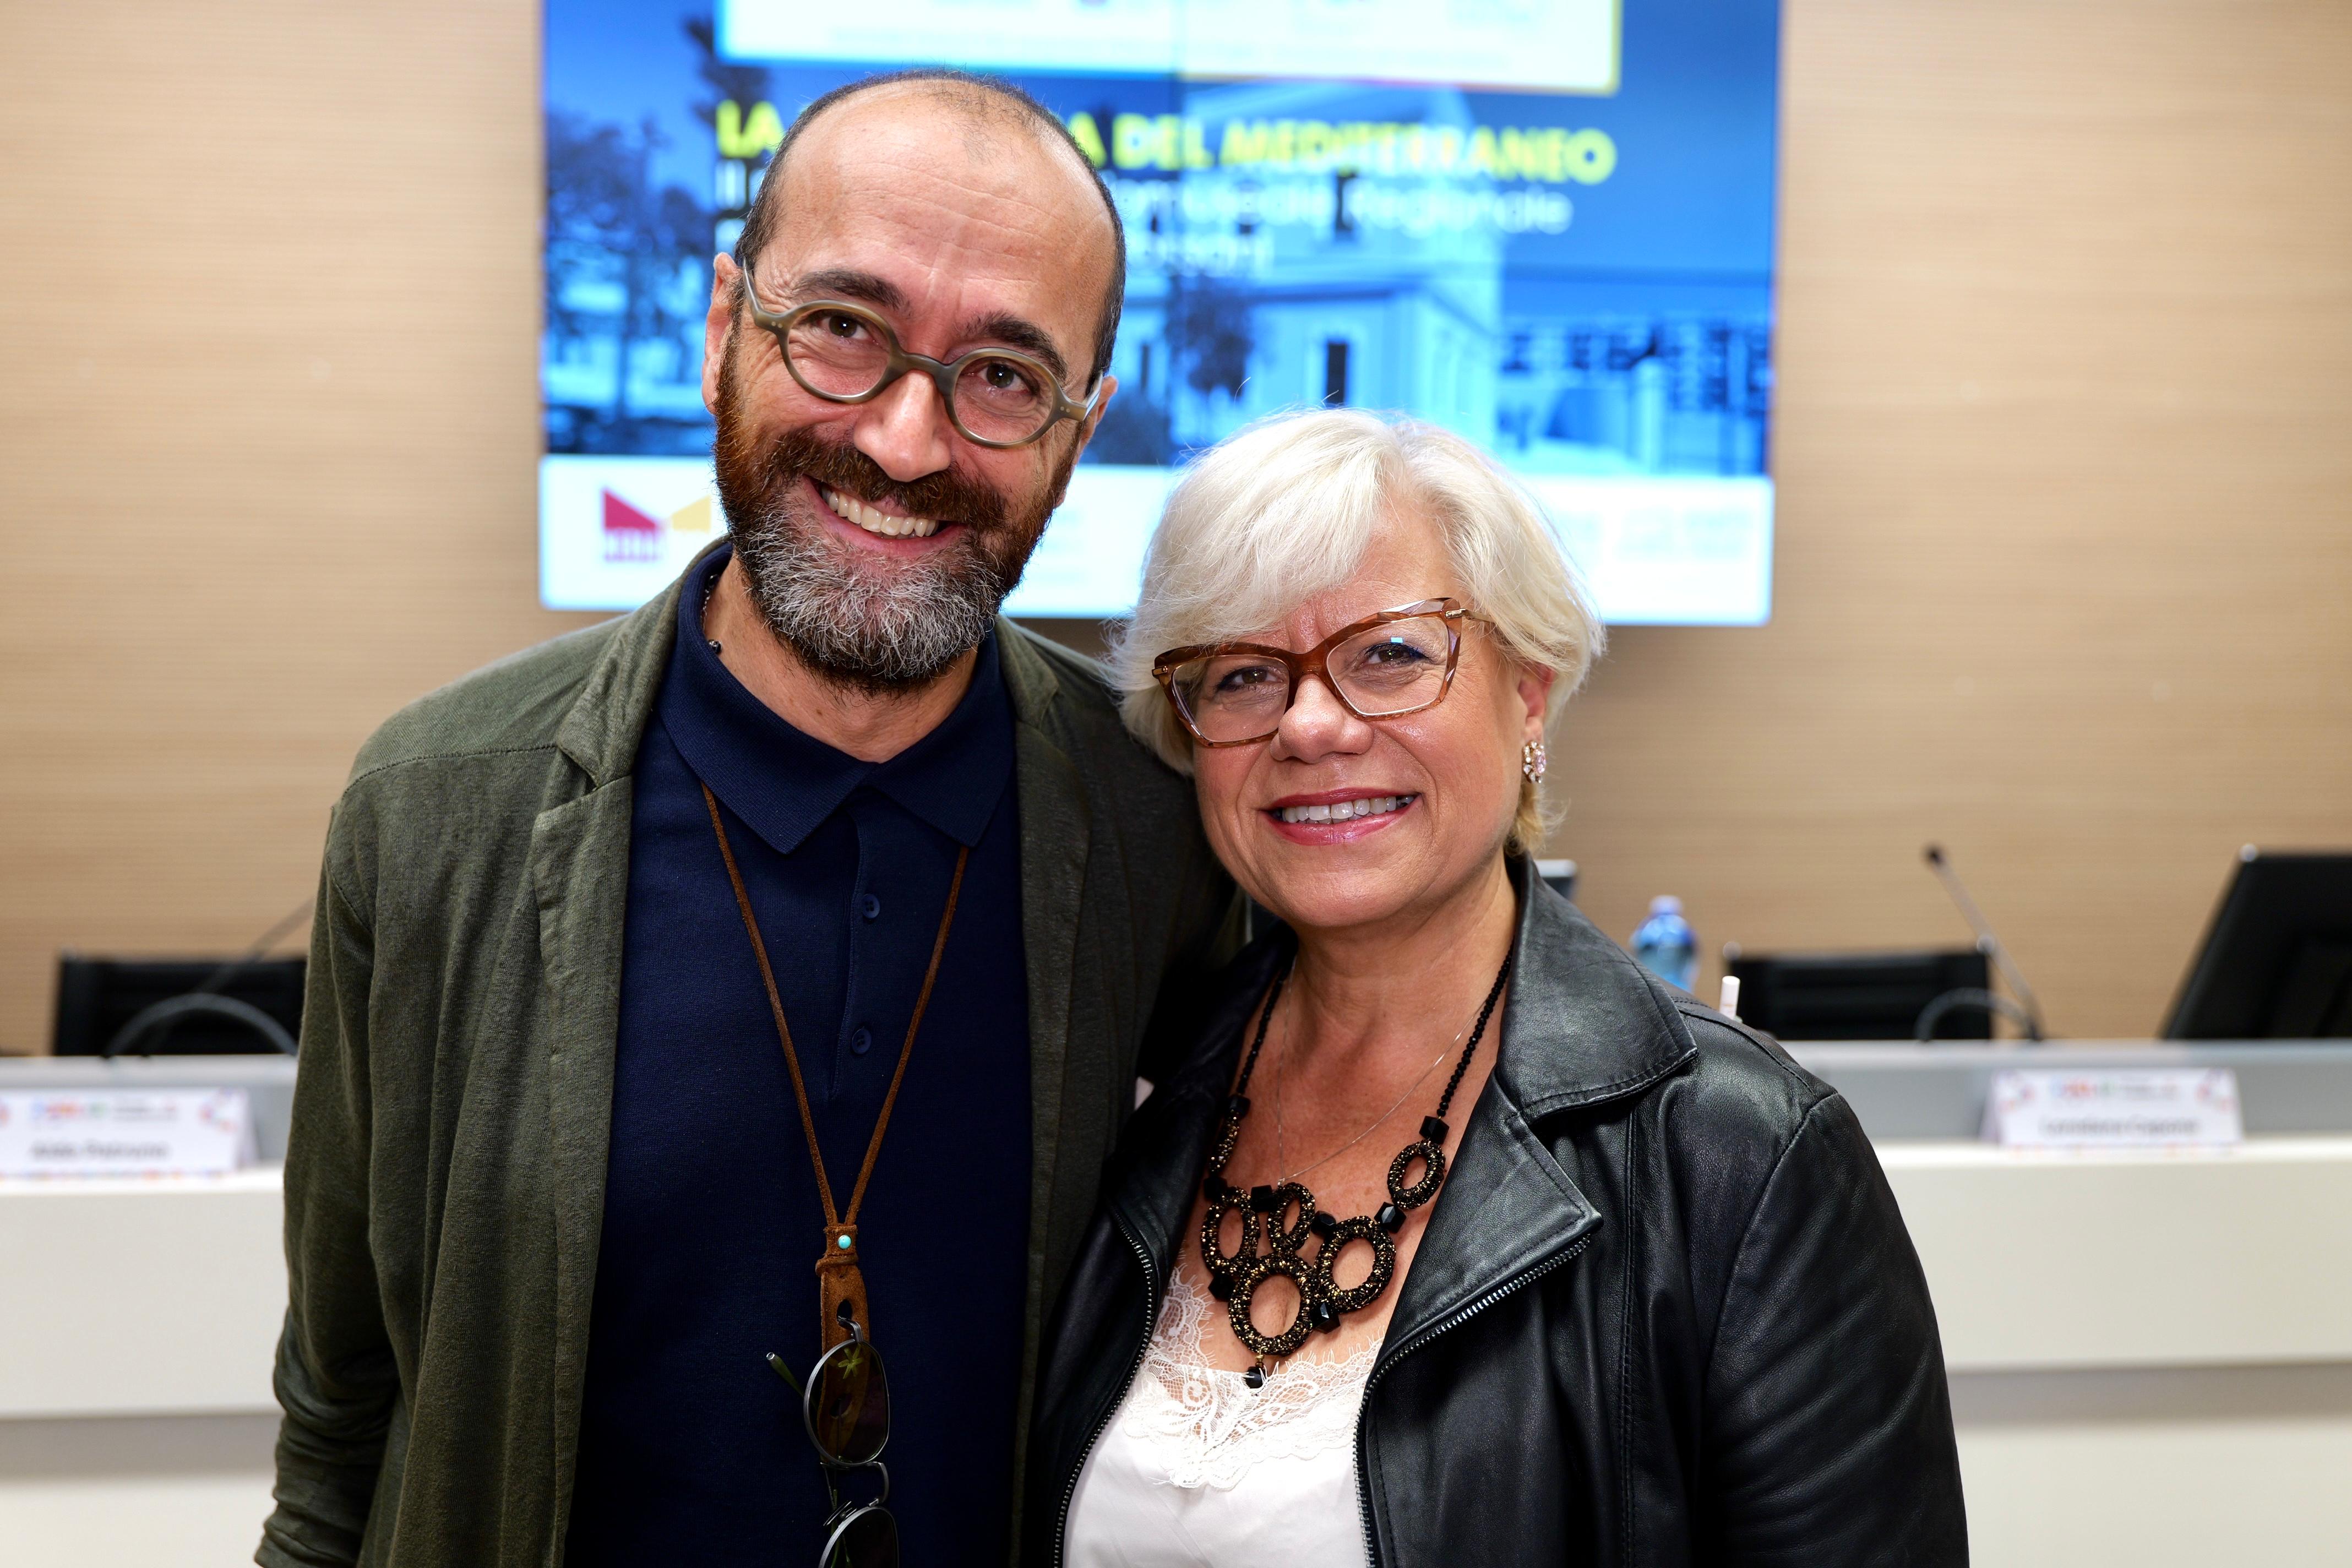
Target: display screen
[{"x": 1544, "y": 224}]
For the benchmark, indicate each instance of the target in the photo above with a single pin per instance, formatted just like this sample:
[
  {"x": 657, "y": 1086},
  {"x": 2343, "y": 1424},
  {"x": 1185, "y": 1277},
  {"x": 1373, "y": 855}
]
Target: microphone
[{"x": 1987, "y": 944}]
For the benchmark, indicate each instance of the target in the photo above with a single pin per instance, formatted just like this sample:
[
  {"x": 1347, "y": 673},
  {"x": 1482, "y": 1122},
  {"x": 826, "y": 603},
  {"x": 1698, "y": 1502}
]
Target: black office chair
[
  {"x": 195, "y": 1006},
  {"x": 1867, "y": 995}
]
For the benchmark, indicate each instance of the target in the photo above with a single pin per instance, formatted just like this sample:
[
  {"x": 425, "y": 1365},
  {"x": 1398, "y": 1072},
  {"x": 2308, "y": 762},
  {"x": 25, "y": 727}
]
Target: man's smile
[
  {"x": 874, "y": 520},
  {"x": 872, "y": 527}
]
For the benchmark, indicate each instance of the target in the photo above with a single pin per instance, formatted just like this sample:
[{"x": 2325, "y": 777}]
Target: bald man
[{"x": 714, "y": 1008}]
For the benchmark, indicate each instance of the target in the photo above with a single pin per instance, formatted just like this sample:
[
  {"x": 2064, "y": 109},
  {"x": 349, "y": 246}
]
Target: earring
[{"x": 1531, "y": 760}]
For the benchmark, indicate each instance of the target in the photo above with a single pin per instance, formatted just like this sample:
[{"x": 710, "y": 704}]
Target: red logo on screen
[{"x": 630, "y": 535}]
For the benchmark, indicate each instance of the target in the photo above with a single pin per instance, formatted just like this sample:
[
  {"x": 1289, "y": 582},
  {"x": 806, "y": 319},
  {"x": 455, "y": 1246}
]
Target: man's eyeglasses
[
  {"x": 846, "y": 353},
  {"x": 846, "y": 1406},
  {"x": 1384, "y": 667}
]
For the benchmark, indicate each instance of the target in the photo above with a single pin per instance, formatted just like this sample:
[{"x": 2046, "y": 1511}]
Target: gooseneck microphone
[{"x": 1987, "y": 943}]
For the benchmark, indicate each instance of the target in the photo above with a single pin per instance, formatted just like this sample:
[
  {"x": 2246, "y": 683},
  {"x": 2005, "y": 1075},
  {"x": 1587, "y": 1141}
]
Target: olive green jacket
[{"x": 444, "y": 1181}]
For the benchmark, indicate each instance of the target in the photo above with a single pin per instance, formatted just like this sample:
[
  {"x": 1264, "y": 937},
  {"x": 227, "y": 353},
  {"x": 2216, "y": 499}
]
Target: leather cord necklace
[
  {"x": 839, "y": 1279},
  {"x": 1278, "y": 1220}
]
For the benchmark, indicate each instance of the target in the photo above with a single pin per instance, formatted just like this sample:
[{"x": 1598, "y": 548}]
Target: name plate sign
[
  {"x": 2120, "y": 1109},
  {"x": 126, "y": 1132}
]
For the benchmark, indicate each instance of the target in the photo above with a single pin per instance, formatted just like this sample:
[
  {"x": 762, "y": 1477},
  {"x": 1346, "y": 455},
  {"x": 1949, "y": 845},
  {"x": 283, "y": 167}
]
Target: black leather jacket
[{"x": 1665, "y": 1310}]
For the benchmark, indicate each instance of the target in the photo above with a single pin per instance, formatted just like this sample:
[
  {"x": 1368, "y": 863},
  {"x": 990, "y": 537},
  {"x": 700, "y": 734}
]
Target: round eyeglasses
[
  {"x": 845, "y": 353},
  {"x": 846, "y": 1406},
  {"x": 1385, "y": 666}
]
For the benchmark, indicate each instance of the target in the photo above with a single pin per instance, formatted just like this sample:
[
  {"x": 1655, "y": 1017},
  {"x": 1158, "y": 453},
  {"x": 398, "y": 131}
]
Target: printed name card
[
  {"x": 126, "y": 1132},
  {"x": 2119, "y": 1108}
]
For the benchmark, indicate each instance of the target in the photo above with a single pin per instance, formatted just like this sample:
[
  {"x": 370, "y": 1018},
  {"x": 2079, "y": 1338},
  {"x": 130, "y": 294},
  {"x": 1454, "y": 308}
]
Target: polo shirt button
[
  {"x": 872, "y": 906},
  {"x": 863, "y": 1041}
]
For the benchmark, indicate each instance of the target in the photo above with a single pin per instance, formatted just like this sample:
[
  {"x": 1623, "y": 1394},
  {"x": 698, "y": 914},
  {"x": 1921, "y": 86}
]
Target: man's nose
[
  {"x": 1317, "y": 725},
  {"x": 906, "y": 430}
]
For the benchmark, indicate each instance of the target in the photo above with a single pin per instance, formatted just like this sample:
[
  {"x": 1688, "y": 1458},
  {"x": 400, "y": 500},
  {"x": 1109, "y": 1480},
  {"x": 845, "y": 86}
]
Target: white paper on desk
[
  {"x": 2119, "y": 1108},
  {"x": 126, "y": 1132}
]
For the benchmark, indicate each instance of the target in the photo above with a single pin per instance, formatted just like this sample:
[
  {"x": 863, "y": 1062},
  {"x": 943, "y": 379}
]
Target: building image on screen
[{"x": 1548, "y": 227}]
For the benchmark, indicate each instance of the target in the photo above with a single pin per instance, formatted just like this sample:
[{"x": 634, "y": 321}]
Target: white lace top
[{"x": 1197, "y": 1468}]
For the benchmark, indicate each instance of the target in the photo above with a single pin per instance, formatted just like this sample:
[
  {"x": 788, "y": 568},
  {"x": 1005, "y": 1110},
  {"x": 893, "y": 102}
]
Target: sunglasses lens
[
  {"x": 849, "y": 1409},
  {"x": 866, "y": 1538}
]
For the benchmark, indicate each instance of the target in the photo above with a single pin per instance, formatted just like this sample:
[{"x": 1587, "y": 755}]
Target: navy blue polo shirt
[{"x": 692, "y": 1450}]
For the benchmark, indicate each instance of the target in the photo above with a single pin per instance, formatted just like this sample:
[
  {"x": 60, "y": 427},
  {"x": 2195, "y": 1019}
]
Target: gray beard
[{"x": 878, "y": 631}]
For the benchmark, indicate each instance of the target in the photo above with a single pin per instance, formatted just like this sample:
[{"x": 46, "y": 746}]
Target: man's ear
[
  {"x": 719, "y": 325},
  {"x": 1087, "y": 425}
]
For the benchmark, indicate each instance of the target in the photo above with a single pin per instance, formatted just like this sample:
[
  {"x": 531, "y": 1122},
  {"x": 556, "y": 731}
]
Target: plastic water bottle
[{"x": 1665, "y": 945}]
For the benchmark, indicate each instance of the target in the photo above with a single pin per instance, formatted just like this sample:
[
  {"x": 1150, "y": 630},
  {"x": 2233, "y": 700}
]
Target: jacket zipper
[
  {"x": 1451, "y": 1320},
  {"x": 1110, "y": 1406}
]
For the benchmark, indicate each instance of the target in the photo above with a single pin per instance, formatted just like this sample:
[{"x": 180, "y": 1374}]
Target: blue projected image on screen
[{"x": 1564, "y": 253}]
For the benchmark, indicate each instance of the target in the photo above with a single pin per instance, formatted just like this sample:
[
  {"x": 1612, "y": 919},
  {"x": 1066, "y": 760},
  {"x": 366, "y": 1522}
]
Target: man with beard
[{"x": 765, "y": 971}]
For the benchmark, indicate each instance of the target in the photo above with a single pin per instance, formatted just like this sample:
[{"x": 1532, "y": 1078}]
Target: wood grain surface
[{"x": 2064, "y": 437}]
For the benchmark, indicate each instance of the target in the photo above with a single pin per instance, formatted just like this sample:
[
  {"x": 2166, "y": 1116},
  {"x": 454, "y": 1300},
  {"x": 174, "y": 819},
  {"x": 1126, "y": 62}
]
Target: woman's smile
[{"x": 1338, "y": 815}]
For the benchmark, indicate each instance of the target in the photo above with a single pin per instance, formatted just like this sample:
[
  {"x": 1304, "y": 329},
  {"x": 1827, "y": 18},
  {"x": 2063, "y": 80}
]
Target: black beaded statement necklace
[{"x": 1277, "y": 1221}]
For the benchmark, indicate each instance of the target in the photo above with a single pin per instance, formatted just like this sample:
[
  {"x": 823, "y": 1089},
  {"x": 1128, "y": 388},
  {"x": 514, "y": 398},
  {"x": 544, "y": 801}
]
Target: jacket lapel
[
  {"x": 1054, "y": 836},
  {"x": 580, "y": 878},
  {"x": 1506, "y": 1211},
  {"x": 1582, "y": 1025},
  {"x": 580, "y": 873}
]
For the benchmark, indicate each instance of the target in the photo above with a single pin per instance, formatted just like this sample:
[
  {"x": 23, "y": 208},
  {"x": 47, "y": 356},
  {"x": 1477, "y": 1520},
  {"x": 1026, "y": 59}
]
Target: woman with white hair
[{"x": 1454, "y": 1237}]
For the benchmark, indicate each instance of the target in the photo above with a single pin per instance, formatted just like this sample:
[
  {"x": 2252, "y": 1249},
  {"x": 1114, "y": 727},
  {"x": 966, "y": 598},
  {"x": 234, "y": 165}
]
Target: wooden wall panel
[
  {"x": 2064, "y": 444},
  {"x": 2065, "y": 449},
  {"x": 267, "y": 417}
]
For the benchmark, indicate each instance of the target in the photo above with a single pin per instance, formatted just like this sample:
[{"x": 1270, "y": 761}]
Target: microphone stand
[
  {"x": 1987, "y": 943},
  {"x": 205, "y": 997}
]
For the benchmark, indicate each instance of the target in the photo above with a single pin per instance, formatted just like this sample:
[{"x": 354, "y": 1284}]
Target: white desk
[
  {"x": 2151, "y": 1353},
  {"x": 2086, "y": 1261},
  {"x": 142, "y": 1298},
  {"x": 2151, "y": 1356},
  {"x": 138, "y": 1320}
]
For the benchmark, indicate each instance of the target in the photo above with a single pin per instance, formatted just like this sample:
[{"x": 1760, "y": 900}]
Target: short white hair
[{"x": 1285, "y": 510}]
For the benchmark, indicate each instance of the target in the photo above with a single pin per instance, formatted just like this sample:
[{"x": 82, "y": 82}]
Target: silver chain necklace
[{"x": 1282, "y": 1076}]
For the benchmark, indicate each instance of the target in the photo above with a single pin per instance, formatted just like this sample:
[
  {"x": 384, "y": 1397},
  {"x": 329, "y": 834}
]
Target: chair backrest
[
  {"x": 97, "y": 996},
  {"x": 1858, "y": 996}
]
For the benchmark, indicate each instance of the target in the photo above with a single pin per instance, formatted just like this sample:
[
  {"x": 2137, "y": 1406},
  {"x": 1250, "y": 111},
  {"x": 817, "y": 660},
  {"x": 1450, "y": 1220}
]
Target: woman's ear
[{"x": 1535, "y": 694}]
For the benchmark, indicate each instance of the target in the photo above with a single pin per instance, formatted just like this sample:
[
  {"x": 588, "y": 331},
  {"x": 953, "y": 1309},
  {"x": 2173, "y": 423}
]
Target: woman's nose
[{"x": 1318, "y": 724}]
